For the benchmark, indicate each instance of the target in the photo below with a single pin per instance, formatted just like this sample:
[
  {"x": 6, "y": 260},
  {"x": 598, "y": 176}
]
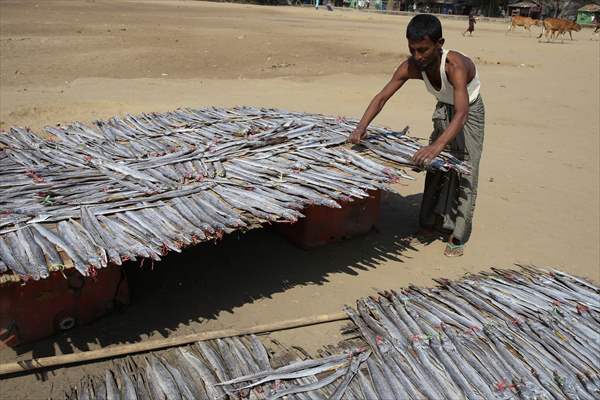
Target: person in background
[
  {"x": 596, "y": 22},
  {"x": 471, "y": 27}
]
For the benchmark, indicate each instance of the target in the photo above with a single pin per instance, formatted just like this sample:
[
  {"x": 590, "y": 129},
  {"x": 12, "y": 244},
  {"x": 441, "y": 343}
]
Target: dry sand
[{"x": 539, "y": 193}]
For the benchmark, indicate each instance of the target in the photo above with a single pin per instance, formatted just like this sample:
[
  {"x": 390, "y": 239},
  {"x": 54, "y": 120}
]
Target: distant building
[
  {"x": 587, "y": 12},
  {"x": 526, "y": 8},
  {"x": 457, "y": 7},
  {"x": 443, "y": 6}
]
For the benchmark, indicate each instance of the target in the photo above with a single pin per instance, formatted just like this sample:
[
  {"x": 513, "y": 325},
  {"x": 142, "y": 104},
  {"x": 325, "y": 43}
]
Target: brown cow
[
  {"x": 558, "y": 26},
  {"x": 525, "y": 22},
  {"x": 572, "y": 26}
]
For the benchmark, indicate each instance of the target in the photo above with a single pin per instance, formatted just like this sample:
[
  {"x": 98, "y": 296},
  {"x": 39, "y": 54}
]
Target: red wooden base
[
  {"x": 323, "y": 225},
  {"x": 36, "y": 309}
]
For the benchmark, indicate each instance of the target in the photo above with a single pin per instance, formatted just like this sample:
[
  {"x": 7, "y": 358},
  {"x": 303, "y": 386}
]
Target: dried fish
[
  {"x": 413, "y": 353},
  {"x": 217, "y": 169}
]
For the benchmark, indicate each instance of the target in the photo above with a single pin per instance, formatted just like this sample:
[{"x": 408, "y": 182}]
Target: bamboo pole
[{"x": 53, "y": 361}]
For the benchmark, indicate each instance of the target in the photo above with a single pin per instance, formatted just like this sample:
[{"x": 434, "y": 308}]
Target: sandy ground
[{"x": 539, "y": 185}]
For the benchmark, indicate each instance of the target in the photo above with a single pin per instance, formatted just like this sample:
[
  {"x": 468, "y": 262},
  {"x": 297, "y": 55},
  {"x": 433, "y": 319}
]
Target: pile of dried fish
[
  {"x": 141, "y": 186},
  {"x": 208, "y": 370},
  {"x": 527, "y": 334}
]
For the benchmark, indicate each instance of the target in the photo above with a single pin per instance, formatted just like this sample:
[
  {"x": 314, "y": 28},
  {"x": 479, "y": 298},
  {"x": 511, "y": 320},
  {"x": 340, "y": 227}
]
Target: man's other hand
[
  {"x": 356, "y": 136},
  {"x": 426, "y": 154}
]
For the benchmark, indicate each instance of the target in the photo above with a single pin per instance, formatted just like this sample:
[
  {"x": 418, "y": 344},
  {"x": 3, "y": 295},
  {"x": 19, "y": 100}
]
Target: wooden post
[{"x": 54, "y": 361}]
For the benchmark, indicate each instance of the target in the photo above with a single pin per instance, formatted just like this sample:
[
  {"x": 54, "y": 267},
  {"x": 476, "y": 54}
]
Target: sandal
[{"x": 454, "y": 250}]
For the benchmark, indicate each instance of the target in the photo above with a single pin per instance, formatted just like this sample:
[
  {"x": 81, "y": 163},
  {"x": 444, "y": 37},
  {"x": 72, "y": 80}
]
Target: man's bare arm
[
  {"x": 401, "y": 75},
  {"x": 458, "y": 77}
]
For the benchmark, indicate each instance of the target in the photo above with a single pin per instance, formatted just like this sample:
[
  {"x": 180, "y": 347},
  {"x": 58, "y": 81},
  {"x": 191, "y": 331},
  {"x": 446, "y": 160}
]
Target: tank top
[{"x": 446, "y": 92}]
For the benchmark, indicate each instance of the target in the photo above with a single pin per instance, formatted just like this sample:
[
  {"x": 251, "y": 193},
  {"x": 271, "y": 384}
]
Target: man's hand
[
  {"x": 425, "y": 155},
  {"x": 357, "y": 135}
]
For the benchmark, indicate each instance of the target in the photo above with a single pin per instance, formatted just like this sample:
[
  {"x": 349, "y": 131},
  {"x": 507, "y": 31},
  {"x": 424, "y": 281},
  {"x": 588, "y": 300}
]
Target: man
[{"x": 458, "y": 121}]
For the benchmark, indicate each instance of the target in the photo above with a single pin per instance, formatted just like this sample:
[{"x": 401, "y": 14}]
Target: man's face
[{"x": 425, "y": 52}]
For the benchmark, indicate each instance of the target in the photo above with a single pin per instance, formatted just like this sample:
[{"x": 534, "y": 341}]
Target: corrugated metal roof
[
  {"x": 590, "y": 8},
  {"x": 445, "y": 1},
  {"x": 142, "y": 186},
  {"x": 524, "y": 4}
]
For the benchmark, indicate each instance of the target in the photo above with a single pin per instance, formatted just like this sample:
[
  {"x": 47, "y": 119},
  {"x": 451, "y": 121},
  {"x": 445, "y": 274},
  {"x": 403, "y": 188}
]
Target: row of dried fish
[
  {"x": 208, "y": 371},
  {"x": 92, "y": 238},
  {"x": 340, "y": 174},
  {"x": 464, "y": 339},
  {"x": 213, "y": 132},
  {"x": 79, "y": 156}
]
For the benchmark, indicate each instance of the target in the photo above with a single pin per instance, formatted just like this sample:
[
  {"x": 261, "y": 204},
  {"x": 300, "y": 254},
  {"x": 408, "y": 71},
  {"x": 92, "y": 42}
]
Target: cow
[
  {"x": 558, "y": 26},
  {"x": 525, "y": 22},
  {"x": 571, "y": 26}
]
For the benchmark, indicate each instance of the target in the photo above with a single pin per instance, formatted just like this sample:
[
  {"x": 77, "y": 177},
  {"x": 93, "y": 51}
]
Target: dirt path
[{"x": 539, "y": 194}]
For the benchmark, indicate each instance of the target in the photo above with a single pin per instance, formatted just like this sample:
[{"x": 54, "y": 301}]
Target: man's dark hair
[{"x": 424, "y": 25}]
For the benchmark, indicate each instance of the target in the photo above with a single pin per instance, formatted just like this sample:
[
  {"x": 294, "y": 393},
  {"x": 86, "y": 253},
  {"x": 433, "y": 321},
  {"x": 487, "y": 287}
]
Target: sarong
[{"x": 449, "y": 198}]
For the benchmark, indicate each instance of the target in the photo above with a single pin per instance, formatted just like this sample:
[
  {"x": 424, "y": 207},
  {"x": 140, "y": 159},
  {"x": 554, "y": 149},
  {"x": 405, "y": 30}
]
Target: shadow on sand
[{"x": 210, "y": 278}]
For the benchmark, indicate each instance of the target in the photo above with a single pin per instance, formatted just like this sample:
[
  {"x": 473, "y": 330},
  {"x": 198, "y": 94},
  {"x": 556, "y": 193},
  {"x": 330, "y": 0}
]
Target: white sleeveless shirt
[{"x": 446, "y": 92}]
